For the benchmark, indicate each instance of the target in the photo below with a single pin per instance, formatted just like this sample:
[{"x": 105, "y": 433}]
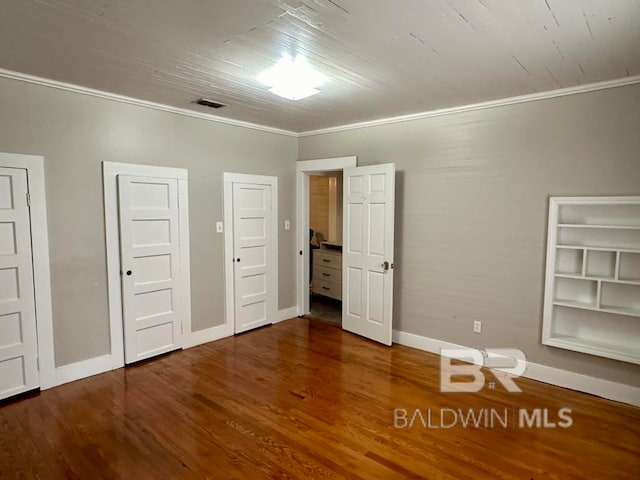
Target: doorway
[
  {"x": 18, "y": 340},
  {"x": 251, "y": 239},
  {"x": 365, "y": 260},
  {"x": 26, "y": 327},
  {"x": 147, "y": 232},
  {"x": 325, "y": 246},
  {"x": 308, "y": 246}
]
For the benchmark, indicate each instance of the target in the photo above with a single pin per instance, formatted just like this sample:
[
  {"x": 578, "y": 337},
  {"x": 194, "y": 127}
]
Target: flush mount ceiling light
[{"x": 292, "y": 79}]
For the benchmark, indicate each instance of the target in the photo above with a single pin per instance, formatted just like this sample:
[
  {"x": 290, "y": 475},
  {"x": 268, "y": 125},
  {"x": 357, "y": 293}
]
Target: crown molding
[
  {"x": 590, "y": 87},
  {"x": 532, "y": 97},
  {"x": 138, "y": 102}
]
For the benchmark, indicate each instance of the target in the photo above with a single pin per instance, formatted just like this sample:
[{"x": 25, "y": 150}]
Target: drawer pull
[
  {"x": 325, "y": 288},
  {"x": 326, "y": 274},
  {"x": 326, "y": 260}
]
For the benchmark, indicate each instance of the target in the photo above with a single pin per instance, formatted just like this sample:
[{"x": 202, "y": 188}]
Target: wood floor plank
[{"x": 303, "y": 400}]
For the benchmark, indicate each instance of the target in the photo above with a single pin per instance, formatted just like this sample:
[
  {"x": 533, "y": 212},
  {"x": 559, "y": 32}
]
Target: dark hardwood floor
[{"x": 302, "y": 399}]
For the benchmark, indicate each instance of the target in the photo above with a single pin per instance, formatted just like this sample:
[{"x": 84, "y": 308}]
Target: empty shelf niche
[
  {"x": 576, "y": 292},
  {"x": 600, "y": 264},
  {"x": 569, "y": 261},
  {"x": 582, "y": 331},
  {"x": 613, "y": 238},
  {"x": 619, "y": 297},
  {"x": 592, "y": 214},
  {"x": 629, "y": 267}
]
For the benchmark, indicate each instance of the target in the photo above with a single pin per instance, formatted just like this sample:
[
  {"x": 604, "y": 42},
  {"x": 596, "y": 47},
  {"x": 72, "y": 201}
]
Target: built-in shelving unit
[{"x": 592, "y": 290}]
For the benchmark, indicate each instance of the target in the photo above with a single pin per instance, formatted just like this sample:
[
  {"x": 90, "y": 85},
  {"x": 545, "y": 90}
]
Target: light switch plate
[
  {"x": 218, "y": 227},
  {"x": 287, "y": 225}
]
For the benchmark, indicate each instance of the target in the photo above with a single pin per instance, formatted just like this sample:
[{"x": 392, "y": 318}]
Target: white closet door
[
  {"x": 253, "y": 272},
  {"x": 18, "y": 341},
  {"x": 153, "y": 307},
  {"x": 367, "y": 258}
]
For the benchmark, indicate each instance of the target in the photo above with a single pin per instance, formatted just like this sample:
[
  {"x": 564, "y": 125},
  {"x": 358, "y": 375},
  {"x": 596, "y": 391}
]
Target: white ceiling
[{"x": 384, "y": 57}]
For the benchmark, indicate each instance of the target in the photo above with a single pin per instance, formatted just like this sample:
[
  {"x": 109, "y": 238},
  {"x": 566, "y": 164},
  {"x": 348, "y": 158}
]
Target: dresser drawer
[
  {"x": 324, "y": 259},
  {"x": 324, "y": 274},
  {"x": 328, "y": 289}
]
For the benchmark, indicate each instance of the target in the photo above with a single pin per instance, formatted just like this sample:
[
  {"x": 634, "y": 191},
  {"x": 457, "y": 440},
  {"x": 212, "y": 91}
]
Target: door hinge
[
  {"x": 182, "y": 328},
  {"x": 28, "y": 199},
  {"x": 38, "y": 363}
]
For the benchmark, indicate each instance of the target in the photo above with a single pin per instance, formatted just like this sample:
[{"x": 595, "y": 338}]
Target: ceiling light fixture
[{"x": 292, "y": 79}]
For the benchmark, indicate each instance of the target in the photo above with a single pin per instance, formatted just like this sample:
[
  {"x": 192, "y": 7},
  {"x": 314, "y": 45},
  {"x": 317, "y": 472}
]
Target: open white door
[
  {"x": 367, "y": 256},
  {"x": 252, "y": 247},
  {"x": 152, "y": 296},
  {"x": 18, "y": 342}
]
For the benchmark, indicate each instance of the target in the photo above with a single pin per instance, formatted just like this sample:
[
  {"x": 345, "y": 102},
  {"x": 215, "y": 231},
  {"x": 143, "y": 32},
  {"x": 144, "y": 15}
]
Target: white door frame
[
  {"x": 228, "y": 179},
  {"x": 34, "y": 165},
  {"x": 303, "y": 169},
  {"x": 110, "y": 172}
]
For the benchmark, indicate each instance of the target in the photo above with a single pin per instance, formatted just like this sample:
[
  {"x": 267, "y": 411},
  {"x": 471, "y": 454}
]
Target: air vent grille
[{"x": 209, "y": 103}]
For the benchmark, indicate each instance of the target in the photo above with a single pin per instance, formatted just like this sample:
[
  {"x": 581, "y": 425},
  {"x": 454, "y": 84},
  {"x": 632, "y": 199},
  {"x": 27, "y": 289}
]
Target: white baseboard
[
  {"x": 286, "y": 314},
  {"x": 105, "y": 363},
  {"x": 221, "y": 331},
  {"x": 542, "y": 373},
  {"x": 207, "y": 335},
  {"x": 78, "y": 370}
]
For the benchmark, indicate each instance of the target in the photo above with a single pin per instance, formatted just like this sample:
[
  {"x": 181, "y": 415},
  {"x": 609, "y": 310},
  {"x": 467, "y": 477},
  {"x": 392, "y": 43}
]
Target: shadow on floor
[{"x": 327, "y": 309}]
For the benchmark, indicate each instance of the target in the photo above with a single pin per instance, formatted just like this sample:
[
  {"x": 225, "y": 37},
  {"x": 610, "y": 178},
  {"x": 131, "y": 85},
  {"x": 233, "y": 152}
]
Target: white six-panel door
[
  {"x": 18, "y": 341},
  {"x": 152, "y": 297},
  {"x": 252, "y": 246},
  {"x": 367, "y": 257}
]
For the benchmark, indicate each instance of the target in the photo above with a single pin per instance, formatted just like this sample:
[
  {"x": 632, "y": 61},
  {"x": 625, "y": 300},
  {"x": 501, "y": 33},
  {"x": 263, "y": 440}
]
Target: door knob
[
  {"x": 238, "y": 260},
  {"x": 385, "y": 266},
  {"x": 129, "y": 272}
]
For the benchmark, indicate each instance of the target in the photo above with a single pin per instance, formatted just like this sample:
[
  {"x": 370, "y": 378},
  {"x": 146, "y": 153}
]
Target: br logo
[{"x": 503, "y": 363}]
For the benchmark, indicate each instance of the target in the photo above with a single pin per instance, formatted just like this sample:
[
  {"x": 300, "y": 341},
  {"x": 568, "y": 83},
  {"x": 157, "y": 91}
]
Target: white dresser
[{"x": 327, "y": 273}]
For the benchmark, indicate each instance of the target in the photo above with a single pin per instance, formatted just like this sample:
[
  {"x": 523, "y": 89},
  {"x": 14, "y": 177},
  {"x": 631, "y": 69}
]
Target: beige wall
[
  {"x": 471, "y": 208},
  {"x": 75, "y": 133}
]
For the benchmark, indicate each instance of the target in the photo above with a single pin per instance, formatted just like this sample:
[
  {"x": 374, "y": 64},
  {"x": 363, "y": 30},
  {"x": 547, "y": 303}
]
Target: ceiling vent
[{"x": 209, "y": 103}]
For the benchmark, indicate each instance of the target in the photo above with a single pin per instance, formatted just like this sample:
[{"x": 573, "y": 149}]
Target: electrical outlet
[
  {"x": 218, "y": 227},
  {"x": 477, "y": 326},
  {"x": 287, "y": 225}
]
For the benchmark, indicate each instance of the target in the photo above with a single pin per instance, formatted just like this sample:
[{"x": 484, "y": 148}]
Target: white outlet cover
[{"x": 218, "y": 227}]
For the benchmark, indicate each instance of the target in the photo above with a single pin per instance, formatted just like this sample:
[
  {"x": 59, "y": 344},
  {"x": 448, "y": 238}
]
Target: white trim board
[
  {"x": 69, "y": 87},
  {"x": 303, "y": 169},
  {"x": 82, "y": 369},
  {"x": 562, "y": 378},
  {"x": 34, "y": 165},
  {"x": 207, "y": 335},
  {"x": 589, "y": 87},
  {"x": 531, "y": 97},
  {"x": 112, "y": 233},
  {"x": 228, "y": 179},
  {"x": 218, "y": 332},
  {"x": 286, "y": 314}
]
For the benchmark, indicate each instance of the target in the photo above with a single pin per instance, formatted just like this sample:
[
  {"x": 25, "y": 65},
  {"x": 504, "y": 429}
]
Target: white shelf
[
  {"x": 600, "y": 248},
  {"x": 625, "y": 354},
  {"x": 592, "y": 289},
  {"x": 576, "y": 304},
  {"x": 614, "y": 227},
  {"x": 595, "y": 278},
  {"x": 594, "y": 308}
]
